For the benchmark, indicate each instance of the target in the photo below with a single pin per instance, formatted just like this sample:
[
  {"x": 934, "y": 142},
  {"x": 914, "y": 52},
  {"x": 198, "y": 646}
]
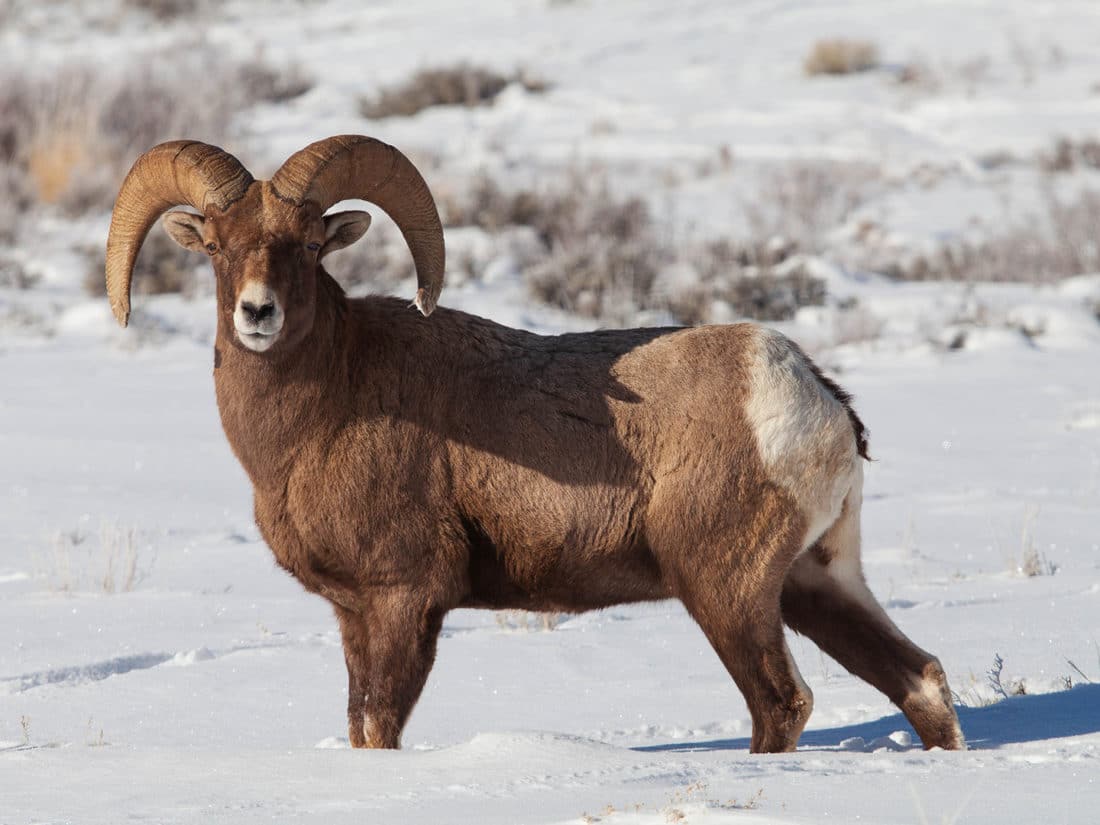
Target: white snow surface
[{"x": 156, "y": 665}]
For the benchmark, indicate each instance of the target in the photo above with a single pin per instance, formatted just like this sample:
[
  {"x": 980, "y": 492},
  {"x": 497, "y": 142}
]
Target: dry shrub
[
  {"x": 165, "y": 10},
  {"x": 68, "y": 138},
  {"x": 485, "y": 204},
  {"x": 600, "y": 254},
  {"x": 854, "y": 324},
  {"x": 753, "y": 280},
  {"x": 839, "y": 56},
  {"x": 1067, "y": 154},
  {"x": 1059, "y": 243},
  {"x": 53, "y": 161},
  {"x": 78, "y": 132},
  {"x": 917, "y": 73},
  {"x": 15, "y": 200},
  {"x": 597, "y": 277},
  {"x": 13, "y": 275},
  {"x": 921, "y": 76},
  {"x": 259, "y": 81},
  {"x": 996, "y": 159},
  {"x": 379, "y": 262},
  {"x": 162, "y": 266},
  {"x": 462, "y": 84},
  {"x": 603, "y": 256},
  {"x": 799, "y": 202}
]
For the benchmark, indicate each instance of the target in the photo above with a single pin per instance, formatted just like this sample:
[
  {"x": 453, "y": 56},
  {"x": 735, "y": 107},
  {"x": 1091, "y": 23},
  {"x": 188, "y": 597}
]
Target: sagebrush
[
  {"x": 68, "y": 138},
  {"x": 162, "y": 267},
  {"x": 1056, "y": 242},
  {"x": 840, "y": 56},
  {"x": 604, "y": 255},
  {"x": 461, "y": 84}
]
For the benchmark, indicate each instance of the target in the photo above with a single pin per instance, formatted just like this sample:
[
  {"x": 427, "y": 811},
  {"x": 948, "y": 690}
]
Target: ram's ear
[
  {"x": 185, "y": 228},
  {"x": 343, "y": 229}
]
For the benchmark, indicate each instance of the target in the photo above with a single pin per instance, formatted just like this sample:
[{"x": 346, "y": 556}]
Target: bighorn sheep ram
[{"x": 404, "y": 466}]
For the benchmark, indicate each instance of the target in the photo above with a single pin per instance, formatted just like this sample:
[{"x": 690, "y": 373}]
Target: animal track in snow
[
  {"x": 119, "y": 665},
  {"x": 80, "y": 674}
]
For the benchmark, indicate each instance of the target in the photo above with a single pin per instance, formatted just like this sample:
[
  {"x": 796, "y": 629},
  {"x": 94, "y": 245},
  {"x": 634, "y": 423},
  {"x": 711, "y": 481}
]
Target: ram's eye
[
  {"x": 313, "y": 246},
  {"x": 211, "y": 247}
]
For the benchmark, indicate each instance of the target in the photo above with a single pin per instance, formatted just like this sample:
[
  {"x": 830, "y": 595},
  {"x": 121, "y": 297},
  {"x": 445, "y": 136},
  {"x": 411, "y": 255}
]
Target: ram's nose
[
  {"x": 258, "y": 317},
  {"x": 255, "y": 313}
]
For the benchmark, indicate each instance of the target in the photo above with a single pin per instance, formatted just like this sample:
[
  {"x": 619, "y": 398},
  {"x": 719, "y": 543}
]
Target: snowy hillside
[{"x": 926, "y": 227}]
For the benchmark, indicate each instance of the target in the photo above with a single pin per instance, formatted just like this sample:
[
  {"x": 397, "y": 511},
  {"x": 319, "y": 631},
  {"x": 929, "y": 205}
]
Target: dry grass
[
  {"x": 840, "y": 56},
  {"x": 583, "y": 248},
  {"x": 13, "y": 275},
  {"x": 16, "y": 195},
  {"x": 743, "y": 281},
  {"x": 605, "y": 256},
  {"x": 598, "y": 254},
  {"x": 68, "y": 138},
  {"x": 1059, "y": 242},
  {"x": 921, "y": 76},
  {"x": 380, "y": 262},
  {"x": 261, "y": 81},
  {"x": 165, "y": 10},
  {"x": 462, "y": 84},
  {"x": 603, "y": 253},
  {"x": 799, "y": 202},
  {"x": 1067, "y": 154},
  {"x": 1031, "y": 562},
  {"x": 484, "y": 203},
  {"x": 76, "y": 133},
  {"x": 162, "y": 267},
  {"x": 855, "y": 324},
  {"x": 76, "y": 564},
  {"x": 527, "y": 621}
]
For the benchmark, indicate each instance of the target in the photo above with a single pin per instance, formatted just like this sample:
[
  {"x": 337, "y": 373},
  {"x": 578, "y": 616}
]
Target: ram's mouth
[{"x": 258, "y": 341}]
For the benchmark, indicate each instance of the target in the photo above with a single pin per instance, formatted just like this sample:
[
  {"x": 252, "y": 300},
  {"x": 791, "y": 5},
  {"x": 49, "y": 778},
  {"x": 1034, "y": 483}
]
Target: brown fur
[
  {"x": 836, "y": 610},
  {"x": 404, "y": 466}
]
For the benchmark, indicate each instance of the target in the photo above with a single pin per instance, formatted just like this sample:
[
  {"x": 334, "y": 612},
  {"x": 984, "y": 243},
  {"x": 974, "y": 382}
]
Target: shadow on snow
[{"x": 1017, "y": 720}]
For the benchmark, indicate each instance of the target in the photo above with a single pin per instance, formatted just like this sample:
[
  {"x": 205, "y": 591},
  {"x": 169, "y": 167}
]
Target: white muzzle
[{"x": 258, "y": 317}]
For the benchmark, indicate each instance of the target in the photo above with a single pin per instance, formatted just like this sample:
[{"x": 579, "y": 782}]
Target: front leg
[
  {"x": 389, "y": 650},
  {"x": 353, "y": 631}
]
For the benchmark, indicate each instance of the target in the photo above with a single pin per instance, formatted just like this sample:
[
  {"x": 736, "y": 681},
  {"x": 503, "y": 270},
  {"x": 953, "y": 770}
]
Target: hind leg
[
  {"x": 756, "y": 656},
  {"x": 826, "y": 598},
  {"x": 732, "y": 591}
]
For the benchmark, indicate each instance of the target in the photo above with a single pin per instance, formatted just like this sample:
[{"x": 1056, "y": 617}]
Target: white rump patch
[{"x": 803, "y": 433}]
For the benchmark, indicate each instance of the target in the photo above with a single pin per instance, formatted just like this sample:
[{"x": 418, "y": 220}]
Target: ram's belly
[{"x": 548, "y": 546}]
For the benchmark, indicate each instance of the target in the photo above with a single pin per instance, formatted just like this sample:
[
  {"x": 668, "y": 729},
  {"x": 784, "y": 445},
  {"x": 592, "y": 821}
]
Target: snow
[{"x": 155, "y": 664}]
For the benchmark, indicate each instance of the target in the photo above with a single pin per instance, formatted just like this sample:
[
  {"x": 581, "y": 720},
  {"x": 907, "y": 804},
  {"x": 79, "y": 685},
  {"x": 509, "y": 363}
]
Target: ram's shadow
[{"x": 1017, "y": 720}]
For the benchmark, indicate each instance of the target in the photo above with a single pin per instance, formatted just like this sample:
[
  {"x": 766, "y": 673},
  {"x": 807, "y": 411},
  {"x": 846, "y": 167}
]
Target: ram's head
[{"x": 265, "y": 239}]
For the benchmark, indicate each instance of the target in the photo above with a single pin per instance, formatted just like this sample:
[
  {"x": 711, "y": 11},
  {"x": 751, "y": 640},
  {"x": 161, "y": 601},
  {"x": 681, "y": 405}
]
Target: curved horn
[
  {"x": 170, "y": 174},
  {"x": 354, "y": 166}
]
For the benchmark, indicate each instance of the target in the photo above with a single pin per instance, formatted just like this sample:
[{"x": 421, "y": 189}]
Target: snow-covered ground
[{"x": 155, "y": 664}]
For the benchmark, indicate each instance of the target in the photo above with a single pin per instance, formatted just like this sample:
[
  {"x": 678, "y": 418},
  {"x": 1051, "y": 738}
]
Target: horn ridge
[
  {"x": 175, "y": 173},
  {"x": 343, "y": 167}
]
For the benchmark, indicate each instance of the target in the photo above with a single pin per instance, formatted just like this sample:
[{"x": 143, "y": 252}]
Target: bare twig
[{"x": 1080, "y": 672}]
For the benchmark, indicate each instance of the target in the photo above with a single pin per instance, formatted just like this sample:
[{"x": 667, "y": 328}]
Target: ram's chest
[
  {"x": 344, "y": 529},
  {"x": 322, "y": 567}
]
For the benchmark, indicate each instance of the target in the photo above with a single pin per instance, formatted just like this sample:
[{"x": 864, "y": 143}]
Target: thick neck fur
[{"x": 270, "y": 402}]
